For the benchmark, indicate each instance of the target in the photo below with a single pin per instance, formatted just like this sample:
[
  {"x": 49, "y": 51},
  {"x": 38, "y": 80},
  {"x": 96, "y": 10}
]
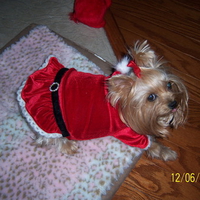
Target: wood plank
[
  {"x": 164, "y": 36},
  {"x": 194, "y": 114},
  {"x": 193, "y": 4},
  {"x": 187, "y": 10},
  {"x": 158, "y": 17},
  {"x": 128, "y": 192}
]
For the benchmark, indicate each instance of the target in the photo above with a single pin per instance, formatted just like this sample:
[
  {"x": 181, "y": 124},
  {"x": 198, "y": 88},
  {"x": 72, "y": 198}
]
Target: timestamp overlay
[{"x": 185, "y": 177}]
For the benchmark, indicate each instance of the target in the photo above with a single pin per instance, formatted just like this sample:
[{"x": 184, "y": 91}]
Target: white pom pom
[{"x": 122, "y": 66}]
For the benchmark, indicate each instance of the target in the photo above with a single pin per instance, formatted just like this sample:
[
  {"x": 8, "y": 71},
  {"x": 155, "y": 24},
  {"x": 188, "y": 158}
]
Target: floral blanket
[{"x": 27, "y": 172}]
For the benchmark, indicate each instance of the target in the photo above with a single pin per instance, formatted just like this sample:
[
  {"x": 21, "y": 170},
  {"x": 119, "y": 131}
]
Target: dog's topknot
[{"x": 144, "y": 56}]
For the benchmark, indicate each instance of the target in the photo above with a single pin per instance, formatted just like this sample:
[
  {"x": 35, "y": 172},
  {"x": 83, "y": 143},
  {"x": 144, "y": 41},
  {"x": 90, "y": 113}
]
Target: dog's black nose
[{"x": 173, "y": 105}]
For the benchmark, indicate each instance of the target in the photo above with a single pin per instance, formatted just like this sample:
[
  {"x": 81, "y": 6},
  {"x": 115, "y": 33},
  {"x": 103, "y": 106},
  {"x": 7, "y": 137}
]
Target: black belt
[{"x": 55, "y": 101}]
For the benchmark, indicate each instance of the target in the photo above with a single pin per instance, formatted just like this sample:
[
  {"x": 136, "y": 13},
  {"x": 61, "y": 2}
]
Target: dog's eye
[
  {"x": 169, "y": 85},
  {"x": 152, "y": 97}
]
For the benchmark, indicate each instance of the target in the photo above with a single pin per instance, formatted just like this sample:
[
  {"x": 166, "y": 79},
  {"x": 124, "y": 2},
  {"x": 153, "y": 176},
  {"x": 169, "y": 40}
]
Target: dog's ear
[
  {"x": 119, "y": 87},
  {"x": 143, "y": 55}
]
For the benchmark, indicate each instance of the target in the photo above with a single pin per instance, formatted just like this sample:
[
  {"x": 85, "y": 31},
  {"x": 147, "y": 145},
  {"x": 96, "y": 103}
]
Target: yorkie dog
[{"x": 140, "y": 101}]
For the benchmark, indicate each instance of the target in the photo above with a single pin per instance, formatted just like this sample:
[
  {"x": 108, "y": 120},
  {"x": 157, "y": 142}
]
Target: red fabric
[
  {"x": 84, "y": 106},
  {"x": 90, "y": 12}
]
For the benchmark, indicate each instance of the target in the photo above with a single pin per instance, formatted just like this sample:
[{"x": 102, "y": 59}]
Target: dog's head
[{"x": 149, "y": 98}]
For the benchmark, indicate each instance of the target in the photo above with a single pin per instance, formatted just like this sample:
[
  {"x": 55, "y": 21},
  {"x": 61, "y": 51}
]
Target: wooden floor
[{"x": 173, "y": 29}]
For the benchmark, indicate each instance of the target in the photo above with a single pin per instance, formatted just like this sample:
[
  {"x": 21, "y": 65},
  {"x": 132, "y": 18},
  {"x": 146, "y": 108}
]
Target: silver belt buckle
[{"x": 54, "y": 87}]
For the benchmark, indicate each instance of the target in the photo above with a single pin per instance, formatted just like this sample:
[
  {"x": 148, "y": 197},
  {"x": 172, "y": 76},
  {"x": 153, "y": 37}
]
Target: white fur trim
[
  {"x": 122, "y": 66},
  {"x": 28, "y": 116},
  {"x": 149, "y": 143}
]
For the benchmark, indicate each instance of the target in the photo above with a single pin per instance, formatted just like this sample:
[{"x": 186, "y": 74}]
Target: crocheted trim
[{"x": 25, "y": 113}]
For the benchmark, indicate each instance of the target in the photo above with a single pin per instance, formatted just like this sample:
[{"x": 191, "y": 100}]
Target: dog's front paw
[
  {"x": 157, "y": 150},
  {"x": 168, "y": 154},
  {"x": 69, "y": 147}
]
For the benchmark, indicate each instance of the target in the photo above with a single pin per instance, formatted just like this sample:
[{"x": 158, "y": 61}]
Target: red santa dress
[{"x": 84, "y": 108}]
